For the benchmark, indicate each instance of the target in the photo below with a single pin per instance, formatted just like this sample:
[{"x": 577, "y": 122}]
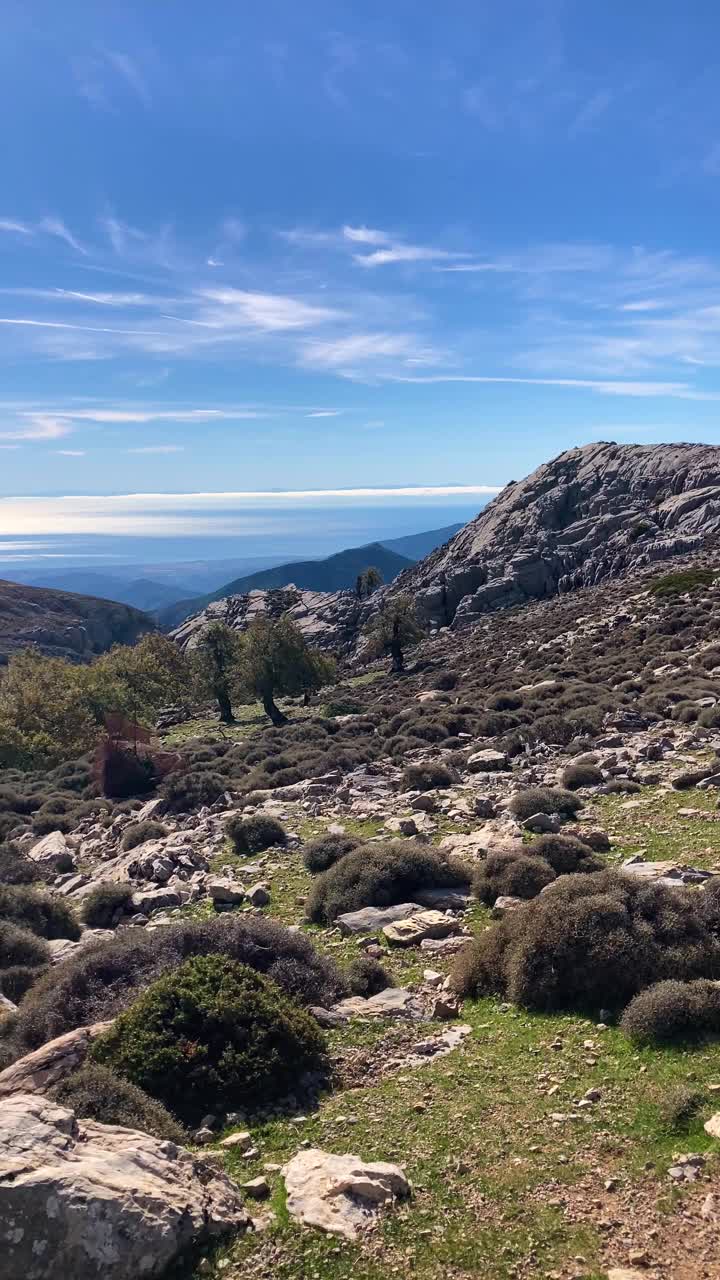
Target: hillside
[
  {"x": 592, "y": 513},
  {"x": 417, "y": 545},
  {"x": 336, "y": 573},
  {"x": 575, "y": 734},
  {"x": 140, "y": 593},
  {"x": 62, "y": 624}
]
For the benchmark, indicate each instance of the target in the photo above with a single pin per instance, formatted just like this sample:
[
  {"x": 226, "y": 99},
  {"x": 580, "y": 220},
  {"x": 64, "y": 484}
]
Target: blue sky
[{"x": 335, "y": 245}]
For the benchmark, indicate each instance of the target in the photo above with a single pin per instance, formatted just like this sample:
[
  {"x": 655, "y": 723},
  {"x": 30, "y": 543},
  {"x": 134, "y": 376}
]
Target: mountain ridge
[{"x": 63, "y": 624}]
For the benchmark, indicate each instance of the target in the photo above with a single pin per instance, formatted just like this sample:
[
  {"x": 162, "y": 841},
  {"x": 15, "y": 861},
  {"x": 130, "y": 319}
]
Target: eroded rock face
[
  {"x": 38, "y": 1071},
  {"x": 327, "y": 619},
  {"x": 340, "y": 1194},
  {"x": 87, "y": 1200},
  {"x": 590, "y": 514},
  {"x": 64, "y": 625}
]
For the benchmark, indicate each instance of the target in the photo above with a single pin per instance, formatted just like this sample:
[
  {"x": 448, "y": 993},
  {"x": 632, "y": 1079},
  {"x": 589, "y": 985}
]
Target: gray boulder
[{"x": 99, "y": 1202}]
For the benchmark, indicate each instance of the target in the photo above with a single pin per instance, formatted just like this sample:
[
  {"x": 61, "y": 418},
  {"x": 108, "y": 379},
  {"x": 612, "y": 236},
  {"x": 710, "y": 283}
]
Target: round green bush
[
  {"x": 184, "y": 792},
  {"x": 525, "y": 804},
  {"x": 213, "y": 1035},
  {"x": 255, "y": 834},
  {"x": 581, "y": 774},
  {"x": 426, "y": 777},
  {"x": 96, "y": 1093},
  {"x": 565, "y": 854}
]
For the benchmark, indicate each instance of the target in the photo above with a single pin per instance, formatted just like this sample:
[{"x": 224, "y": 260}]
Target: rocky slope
[
  {"x": 327, "y": 619},
  {"x": 64, "y": 625},
  {"x": 590, "y": 514}
]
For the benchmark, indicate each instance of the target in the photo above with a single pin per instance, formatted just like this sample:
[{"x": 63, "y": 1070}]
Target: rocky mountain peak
[{"x": 591, "y": 513}]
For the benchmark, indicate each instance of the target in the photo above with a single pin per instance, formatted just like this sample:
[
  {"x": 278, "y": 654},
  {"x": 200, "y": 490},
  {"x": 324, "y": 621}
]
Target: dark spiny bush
[
  {"x": 516, "y": 875},
  {"x": 671, "y": 1011},
  {"x": 97, "y": 1093},
  {"x": 14, "y": 982},
  {"x": 214, "y": 1034},
  {"x": 254, "y": 834},
  {"x": 581, "y": 774},
  {"x": 184, "y": 792},
  {"x": 380, "y": 876},
  {"x": 366, "y": 976},
  {"x": 39, "y": 911},
  {"x": 565, "y": 854},
  {"x": 326, "y": 850},
  {"x": 108, "y": 899},
  {"x": 22, "y": 947},
  {"x": 426, "y": 777},
  {"x": 16, "y": 868},
  {"x": 591, "y": 942},
  {"x": 525, "y": 804}
]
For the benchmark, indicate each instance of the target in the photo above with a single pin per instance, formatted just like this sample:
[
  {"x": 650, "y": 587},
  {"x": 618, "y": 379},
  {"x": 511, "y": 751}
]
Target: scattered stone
[
  {"x": 372, "y": 919},
  {"x": 542, "y": 823},
  {"x": 414, "y": 930},
  {"x": 340, "y": 1194},
  {"x": 53, "y": 852},
  {"x": 393, "y": 1002},
  {"x": 488, "y": 761},
  {"x": 258, "y": 1188},
  {"x": 222, "y": 890},
  {"x": 258, "y": 895},
  {"x": 238, "y": 1141},
  {"x": 506, "y": 903},
  {"x": 95, "y": 1201},
  {"x": 149, "y": 900},
  {"x": 38, "y": 1071},
  {"x": 711, "y": 1126}
]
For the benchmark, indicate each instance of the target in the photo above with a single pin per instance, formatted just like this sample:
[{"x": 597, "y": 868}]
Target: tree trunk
[
  {"x": 273, "y": 711},
  {"x": 224, "y": 706},
  {"x": 396, "y": 648}
]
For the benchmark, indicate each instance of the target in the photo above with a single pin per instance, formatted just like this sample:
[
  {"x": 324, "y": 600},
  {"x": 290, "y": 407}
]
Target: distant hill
[
  {"x": 142, "y": 593},
  {"x": 336, "y": 573},
  {"x": 64, "y": 625},
  {"x": 418, "y": 545}
]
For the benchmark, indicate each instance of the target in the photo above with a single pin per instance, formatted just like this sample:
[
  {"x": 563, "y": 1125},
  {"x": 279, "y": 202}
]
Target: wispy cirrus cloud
[
  {"x": 104, "y": 74},
  {"x": 48, "y": 226}
]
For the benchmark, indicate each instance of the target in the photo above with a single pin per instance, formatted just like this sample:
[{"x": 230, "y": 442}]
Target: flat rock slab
[
  {"x": 668, "y": 873},
  {"x": 712, "y": 1126},
  {"x": 91, "y": 1201},
  {"x": 435, "y": 1046},
  {"x": 342, "y": 1195},
  {"x": 394, "y": 1002},
  {"x": 53, "y": 851},
  {"x": 372, "y": 919},
  {"x": 224, "y": 890},
  {"x": 444, "y": 899},
  {"x": 414, "y": 930},
  {"x": 488, "y": 761},
  {"x": 44, "y": 1067},
  {"x": 63, "y": 948}
]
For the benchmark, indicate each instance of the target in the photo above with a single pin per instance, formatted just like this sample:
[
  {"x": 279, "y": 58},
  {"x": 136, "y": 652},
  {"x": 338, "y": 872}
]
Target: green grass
[{"x": 658, "y": 831}]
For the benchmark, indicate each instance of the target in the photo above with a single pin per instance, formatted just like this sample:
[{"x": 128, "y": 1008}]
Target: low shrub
[
  {"x": 343, "y": 707},
  {"x": 97, "y": 1093},
  {"x": 123, "y": 773},
  {"x": 671, "y": 1011},
  {"x": 15, "y": 980},
  {"x": 581, "y": 774},
  {"x": 426, "y": 777},
  {"x": 20, "y": 946},
  {"x": 102, "y": 979},
  {"x": 621, "y": 786},
  {"x": 590, "y": 942},
  {"x": 525, "y": 804},
  {"x": 16, "y": 868},
  {"x": 380, "y": 876},
  {"x": 139, "y": 832},
  {"x": 44, "y": 823},
  {"x": 213, "y": 1035},
  {"x": 254, "y": 834},
  {"x": 445, "y": 681},
  {"x": 366, "y": 976},
  {"x": 566, "y": 854},
  {"x": 326, "y": 850},
  {"x": 681, "y": 581},
  {"x": 709, "y": 717},
  {"x": 184, "y": 792},
  {"x": 680, "y": 1107},
  {"x": 518, "y": 875},
  {"x": 100, "y": 907},
  {"x": 39, "y": 911}
]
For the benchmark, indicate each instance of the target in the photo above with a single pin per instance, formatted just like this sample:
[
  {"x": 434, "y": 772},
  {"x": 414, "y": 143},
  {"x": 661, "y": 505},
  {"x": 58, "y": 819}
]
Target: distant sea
[{"x": 290, "y": 533}]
